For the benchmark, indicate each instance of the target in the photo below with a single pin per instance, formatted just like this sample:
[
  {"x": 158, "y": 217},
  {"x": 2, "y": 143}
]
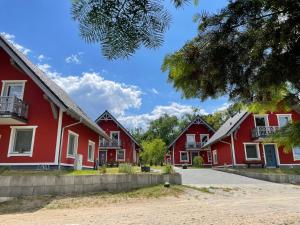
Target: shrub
[
  {"x": 198, "y": 161},
  {"x": 168, "y": 169},
  {"x": 125, "y": 168},
  {"x": 103, "y": 169}
]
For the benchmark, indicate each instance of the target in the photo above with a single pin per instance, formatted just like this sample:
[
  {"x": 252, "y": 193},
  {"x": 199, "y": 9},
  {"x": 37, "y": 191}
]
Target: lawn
[
  {"x": 33, "y": 203},
  {"x": 293, "y": 171}
]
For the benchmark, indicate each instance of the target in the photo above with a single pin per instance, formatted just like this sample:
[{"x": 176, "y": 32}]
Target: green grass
[
  {"x": 34, "y": 203},
  {"x": 293, "y": 171}
]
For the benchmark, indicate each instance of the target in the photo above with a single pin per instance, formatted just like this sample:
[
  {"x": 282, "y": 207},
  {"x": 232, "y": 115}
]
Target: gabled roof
[
  {"x": 197, "y": 120},
  {"x": 227, "y": 128},
  {"x": 52, "y": 90},
  {"x": 108, "y": 116}
]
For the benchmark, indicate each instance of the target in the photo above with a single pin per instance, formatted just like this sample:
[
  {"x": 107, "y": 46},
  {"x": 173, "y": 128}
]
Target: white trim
[
  {"x": 257, "y": 151},
  {"x": 266, "y": 116},
  {"x": 173, "y": 154},
  {"x": 13, "y": 138},
  {"x": 188, "y": 156},
  {"x": 233, "y": 149},
  {"x": 93, "y": 144},
  {"x": 4, "y": 82},
  {"x": 76, "y": 144},
  {"x": 214, "y": 153},
  {"x": 58, "y": 137},
  {"x": 287, "y": 115},
  {"x": 120, "y": 160},
  {"x": 276, "y": 153},
  {"x": 294, "y": 155}
]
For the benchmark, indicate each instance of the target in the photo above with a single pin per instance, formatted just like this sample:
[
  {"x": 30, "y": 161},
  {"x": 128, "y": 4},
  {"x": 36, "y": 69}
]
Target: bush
[
  {"x": 103, "y": 169},
  {"x": 125, "y": 168},
  {"x": 198, "y": 161},
  {"x": 168, "y": 169}
]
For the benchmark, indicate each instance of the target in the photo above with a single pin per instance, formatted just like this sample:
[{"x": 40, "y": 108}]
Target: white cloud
[
  {"x": 74, "y": 58},
  {"x": 155, "y": 91},
  {"x": 224, "y": 106},
  {"x": 11, "y": 39},
  {"x": 143, "y": 120},
  {"x": 42, "y": 58},
  {"x": 95, "y": 94}
]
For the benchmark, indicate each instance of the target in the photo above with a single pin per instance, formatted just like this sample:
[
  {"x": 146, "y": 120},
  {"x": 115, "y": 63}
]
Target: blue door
[{"x": 270, "y": 155}]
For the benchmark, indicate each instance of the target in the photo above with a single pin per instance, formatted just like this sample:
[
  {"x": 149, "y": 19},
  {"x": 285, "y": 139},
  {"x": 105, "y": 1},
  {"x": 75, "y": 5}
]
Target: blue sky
[{"x": 133, "y": 89}]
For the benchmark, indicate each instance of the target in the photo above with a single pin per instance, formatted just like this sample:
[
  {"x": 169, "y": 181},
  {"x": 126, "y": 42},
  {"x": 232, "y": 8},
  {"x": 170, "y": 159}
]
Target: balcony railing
[
  {"x": 261, "y": 132},
  {"x": 194, "y": 145},
  {"x": 110, "y": 144},
  {"x": 14, "y": 107}
]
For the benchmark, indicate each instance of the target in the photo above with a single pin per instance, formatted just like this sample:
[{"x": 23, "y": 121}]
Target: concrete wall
[{"x": 14, "y": 186}]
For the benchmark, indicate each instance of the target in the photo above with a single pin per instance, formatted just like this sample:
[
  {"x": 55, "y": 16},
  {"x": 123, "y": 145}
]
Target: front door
[
  {"x": 194, "y": 154},
  {"x": 270, "y": 154},
  {"x": 102, "y": 157}
]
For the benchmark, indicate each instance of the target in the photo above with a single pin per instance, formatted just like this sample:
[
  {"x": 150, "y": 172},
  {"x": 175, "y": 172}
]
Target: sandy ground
[{"x": 249, "y": 204}]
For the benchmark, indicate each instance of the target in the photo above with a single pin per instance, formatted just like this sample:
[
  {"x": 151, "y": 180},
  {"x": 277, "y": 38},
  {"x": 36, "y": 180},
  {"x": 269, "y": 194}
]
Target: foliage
[
  {"x": 198, "y": 161},
  {"x": 123, "y": 26},
  {"x": 103, "y": 169},
  {"x": 153, "y": 151},
  {"x": 168, "y": 169},
  {"x": 126, "y": 168}
]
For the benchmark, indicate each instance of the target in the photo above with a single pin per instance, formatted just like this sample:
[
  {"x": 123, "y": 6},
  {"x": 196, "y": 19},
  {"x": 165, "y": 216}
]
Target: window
[
  {"x": 190, "y": 138},
  {"x": 13, "y": 88},
  {"x": 72, "y": 144},
  {"x": 91, "y": 151},
  {"x": 208, "y": 156},
  {"x": 204, "y": 138},
  {"x": 184, "y": 156},
  {"x": 283, "y": 120},
  {"x": 261, "y": 121},
  {"x": 21, "y": 141},
  {"x": 114, "y": 135},
  {"x": 120, "y": 155},
  {"x": 215, "y": 156},
  {"x": 252, "y": 151},
  {"x": 296, "y": 153}
]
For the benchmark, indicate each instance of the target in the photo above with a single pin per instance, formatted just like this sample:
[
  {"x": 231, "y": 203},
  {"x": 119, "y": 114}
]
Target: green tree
[
  {"x": 153, "y": 151},
  {"x": 123, "y": 26}
]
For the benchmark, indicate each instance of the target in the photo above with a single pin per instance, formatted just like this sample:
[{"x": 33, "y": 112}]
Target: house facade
[
  {"x": 240, "y": 141},
  {"x": 189, "y": 144},
  {"x": 40, "y": 126},
  {"x": 122, "y": 147}
]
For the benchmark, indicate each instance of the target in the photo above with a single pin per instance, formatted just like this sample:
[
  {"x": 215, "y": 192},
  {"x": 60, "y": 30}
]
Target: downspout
[{"x": 61, "y": 140}]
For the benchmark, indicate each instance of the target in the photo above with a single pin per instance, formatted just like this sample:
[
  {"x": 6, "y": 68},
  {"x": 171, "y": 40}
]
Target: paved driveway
[{"x": 205, "y": 177}]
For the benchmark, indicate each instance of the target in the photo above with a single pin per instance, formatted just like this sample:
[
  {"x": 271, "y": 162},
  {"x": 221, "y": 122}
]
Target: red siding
[{"x": 223, "y": 153}]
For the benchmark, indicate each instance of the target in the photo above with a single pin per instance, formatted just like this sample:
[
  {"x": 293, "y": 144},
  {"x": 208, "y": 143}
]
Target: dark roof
[
  {"x": 227, "y": 128},
  {"x": 56, "y": 92},
  {"x": 190, "y": 124},
  {"x": 118, "y": 123}
]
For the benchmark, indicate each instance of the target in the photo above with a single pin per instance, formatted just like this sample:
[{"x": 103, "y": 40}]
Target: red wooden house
[
  {"x": 239, "y": 141},
  {"x": 122, "y": 147},
  {"x": 189, "y": 144},
  {"x": 40, "y": 126}
]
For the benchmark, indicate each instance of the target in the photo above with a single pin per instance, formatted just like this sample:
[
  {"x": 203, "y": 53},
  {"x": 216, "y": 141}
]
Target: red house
[
  {"x": 189, "y": 144},
  {"x": 122, "y": 147},
  {"x": 40, "y": 126},
  {"x": 239, "y": 141}
]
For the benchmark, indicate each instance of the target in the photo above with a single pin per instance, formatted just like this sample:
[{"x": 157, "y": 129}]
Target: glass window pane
[
  {"x": 71, "y": 145},
  {"x": 190, "y": 138},
  {"x": 260, "y": 121},
  {"x": 115, "y": 136},
  {"x": 283, "y": 120},
  {"x": 204, "y": 138},
  {"x": 90, "y": 150},
  {"x": 184, "y": 156},
  {"x": 296, "y": 153},
  {"x": 23, "y": 140},
  {"x": 251, "y": 151},
  {"x": 120, "y": 155},
  {"x": 13, "y": 89}
]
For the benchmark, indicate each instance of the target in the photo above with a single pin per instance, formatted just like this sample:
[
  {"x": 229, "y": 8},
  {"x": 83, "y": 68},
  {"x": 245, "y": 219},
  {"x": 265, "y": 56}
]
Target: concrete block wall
[{"x": 15, "y": 186}]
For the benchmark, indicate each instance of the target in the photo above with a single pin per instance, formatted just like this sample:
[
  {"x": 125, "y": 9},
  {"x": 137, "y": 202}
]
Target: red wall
[
  {"x": 179, "y": 145},
  {"x": 110, "y": 125},
  {"x": 39, "y": 114},
  {"x": 223, "y": 153}
]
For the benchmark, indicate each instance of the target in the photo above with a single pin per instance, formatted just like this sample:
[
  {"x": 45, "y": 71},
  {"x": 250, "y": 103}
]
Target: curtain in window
[{"x": 23, "y": 141}]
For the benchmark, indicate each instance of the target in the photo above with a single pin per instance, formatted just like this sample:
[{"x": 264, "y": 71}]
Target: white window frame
[
  {"x": 202, "y": 135},
  {"x": 76, "y": 144},
  {"x": 12, "y": 140},
  {"x": 120, "y": 160},
  {"x": 215, "y": 154},
  {"x": 188, "y": 156},
  {"x": 294, "y": 157},
  {"x": 7, "y": 82},
  {"x": 91, "y": 143},
  {"x": 193, "y": 135},
  {"x": 209, "y": 156},
  {"x": 283, "y": 115},
  {"x": 261, "y": 116},
  {"x": 257, "y": 151}
]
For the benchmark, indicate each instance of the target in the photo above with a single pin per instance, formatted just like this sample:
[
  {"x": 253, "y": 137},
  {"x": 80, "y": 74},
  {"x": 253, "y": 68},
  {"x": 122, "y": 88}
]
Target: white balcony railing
[
  {"x": 111, "y": 144},
  {"x": 13, "y": 106},
  {"x": 194, "y": 145},
  {"x": 261, "y": 132}
]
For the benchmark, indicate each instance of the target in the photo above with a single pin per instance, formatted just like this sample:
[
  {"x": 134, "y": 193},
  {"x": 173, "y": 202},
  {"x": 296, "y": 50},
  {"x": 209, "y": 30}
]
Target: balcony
[
  {"x": 262, "y": 132},
  {"x": 194, "y": 145},
  {"x": 13, "y": 111},
  {"x": 110, "y": 144}
]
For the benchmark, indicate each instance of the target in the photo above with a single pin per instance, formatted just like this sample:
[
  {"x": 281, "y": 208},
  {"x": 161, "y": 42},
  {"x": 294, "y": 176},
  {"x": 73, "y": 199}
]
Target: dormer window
[
  {"x": 261, "y": 120},
  {"x": 13, "y": 88}
]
